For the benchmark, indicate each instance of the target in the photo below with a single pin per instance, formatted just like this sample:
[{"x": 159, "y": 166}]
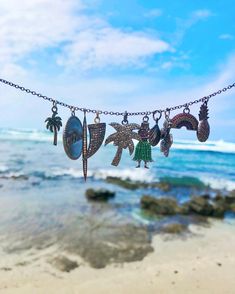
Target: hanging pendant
[
  {"x": 155, "y": 132},
  {"x": 203, "y": 131},
  {"x": 167, "y": 138},
  {"x": 123, "y": 138},
  {"x": 96, "y": 134},
  {"x": 184, "y": 119},
  {"x": 54, "y": 122},
  {"x": 84, "y": 146},
  {"x": 72, "y": 137},
  {"x": 143, "y": 148}
]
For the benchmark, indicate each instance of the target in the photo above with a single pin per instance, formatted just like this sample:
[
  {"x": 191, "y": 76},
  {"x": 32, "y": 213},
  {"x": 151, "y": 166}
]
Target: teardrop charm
[{"x": 155, "y": 132}]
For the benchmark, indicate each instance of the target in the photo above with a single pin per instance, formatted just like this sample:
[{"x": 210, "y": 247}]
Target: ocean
[{"x": 42, "y": 197}]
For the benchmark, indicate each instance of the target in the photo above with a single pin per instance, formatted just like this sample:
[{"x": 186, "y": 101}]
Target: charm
[
  {"x": 54, "y": 122},
  {"x": 72, "y": 137},
  {"x": 203, "y": 131},
  {"x": 143, "y": 147},
  {"x": 155, "y": 132},
  {"x": 123, "y": 138},
  {"x": 96, "y": 134},
  {"x": 167, "y": 138},
  {"x": 186, "y": 120},
  {"x": 84, "y": 146}
]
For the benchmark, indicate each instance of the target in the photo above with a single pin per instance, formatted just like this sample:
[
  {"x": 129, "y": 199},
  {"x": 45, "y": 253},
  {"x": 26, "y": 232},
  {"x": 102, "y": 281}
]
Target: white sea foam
[
  {"x": 102, "y": 174},
  {"x": 25, "y": 135},
  {"x": 215, "y": 146},
  {"x": 3, "y": 168},
  {"x": 131, "y": 173},
  {"x": 216, "y": 183},
  {"x": 72, "y": 172},
  {"x": 36, "y": 135}
]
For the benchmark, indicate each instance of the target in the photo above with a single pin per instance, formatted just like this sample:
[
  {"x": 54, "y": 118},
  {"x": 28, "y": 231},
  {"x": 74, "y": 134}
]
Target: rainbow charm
[{"x": 186, "y": 120}]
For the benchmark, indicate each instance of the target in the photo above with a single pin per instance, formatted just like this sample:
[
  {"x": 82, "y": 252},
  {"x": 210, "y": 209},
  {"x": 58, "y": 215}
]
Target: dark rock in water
[
  {"x": 99, "y": 195},
  {"x": 63, "y": 264},
  {"x": 15, "y": 177},
  {"x": 174, "y": 228},
  {"x": 164, "y": 186},
  {"x": 232, "y": 207},
  {"x": 201, "y": 206},
  {"x": 127, "y": 183},
  {"x": 162, "y": 206},
  {"x": 134, "y": 185},
  {"x": 230, "y": 199}
]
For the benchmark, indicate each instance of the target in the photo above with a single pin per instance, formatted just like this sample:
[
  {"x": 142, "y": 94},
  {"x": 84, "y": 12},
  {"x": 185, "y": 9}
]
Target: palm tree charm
[
  {"x": 123, "y": 139},
  {"x": 54, "y": 123}
]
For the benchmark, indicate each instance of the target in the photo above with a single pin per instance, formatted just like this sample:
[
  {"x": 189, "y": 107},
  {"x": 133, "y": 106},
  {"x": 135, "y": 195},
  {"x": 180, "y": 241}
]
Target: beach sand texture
[{"x": 202, "y": 261}]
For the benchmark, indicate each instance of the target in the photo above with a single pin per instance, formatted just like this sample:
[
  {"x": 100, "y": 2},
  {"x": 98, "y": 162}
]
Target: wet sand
[{"x": 202, "y": 261}]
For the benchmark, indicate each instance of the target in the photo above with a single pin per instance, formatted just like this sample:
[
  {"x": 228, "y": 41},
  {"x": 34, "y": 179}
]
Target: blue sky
[{"x": 117, "y": 55}]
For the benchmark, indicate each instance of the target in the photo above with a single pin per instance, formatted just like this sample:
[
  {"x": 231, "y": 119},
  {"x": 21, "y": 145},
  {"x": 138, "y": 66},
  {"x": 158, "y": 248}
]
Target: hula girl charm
[
  {"x": 54, "y": 122},
  {"x": 143, "y": 148}
]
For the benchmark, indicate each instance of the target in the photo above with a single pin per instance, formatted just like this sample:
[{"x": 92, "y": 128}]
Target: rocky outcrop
[
  {"x": 64, "y": 264},
  {"x": 174, "y": 228},
  {"x": 163, "y": 206},
  {"x": 99, "y": 195},
  {"x": 134, "y": 185},
  {"x": 204, "y": 205}
]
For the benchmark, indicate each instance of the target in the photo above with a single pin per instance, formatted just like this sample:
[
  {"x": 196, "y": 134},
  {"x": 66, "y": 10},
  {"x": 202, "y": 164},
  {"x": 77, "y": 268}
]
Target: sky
[{"x": 117, "y": 55}]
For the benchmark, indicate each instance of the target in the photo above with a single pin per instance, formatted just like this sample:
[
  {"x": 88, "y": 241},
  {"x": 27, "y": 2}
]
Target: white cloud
[
  {"x": 226, "y": 37},
  {"x": 32, "y": 26},
  {"x": 183, "y": 25},
  {"x": 108, "y": 46},
  {"x": 201, "y": 14},
  {"x": 153, "y": 13},
  {"x": 28, "y": 26}
]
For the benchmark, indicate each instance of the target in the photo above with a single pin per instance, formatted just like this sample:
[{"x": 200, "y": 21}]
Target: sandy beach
[{"x": 201, "y": 261}]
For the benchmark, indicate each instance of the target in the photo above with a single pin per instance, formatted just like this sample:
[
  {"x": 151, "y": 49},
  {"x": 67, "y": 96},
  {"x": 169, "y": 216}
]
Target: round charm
[{"x": 72, "y": 137}]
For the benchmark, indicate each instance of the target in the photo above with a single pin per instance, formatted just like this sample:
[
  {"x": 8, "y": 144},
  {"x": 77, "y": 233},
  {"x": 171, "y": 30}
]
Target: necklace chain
[{"x": 105, "y": 112}]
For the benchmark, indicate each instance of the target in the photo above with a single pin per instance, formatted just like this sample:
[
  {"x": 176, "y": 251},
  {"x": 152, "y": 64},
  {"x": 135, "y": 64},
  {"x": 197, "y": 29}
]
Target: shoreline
[{"x": 202, "y": 261}]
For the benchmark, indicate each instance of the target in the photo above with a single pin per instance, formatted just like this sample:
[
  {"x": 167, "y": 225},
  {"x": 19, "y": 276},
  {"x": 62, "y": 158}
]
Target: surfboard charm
[
  {"x": 203, "y": 130},
  {"x": 186, "y": 120},
  {"x": 72, "y": 137}
]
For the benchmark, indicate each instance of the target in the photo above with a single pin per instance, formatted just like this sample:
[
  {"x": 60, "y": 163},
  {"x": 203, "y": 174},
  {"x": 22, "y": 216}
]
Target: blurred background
[{"x": 134, "y": 55}]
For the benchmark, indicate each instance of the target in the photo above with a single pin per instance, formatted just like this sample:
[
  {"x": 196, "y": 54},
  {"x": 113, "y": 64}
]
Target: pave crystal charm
[
  {"x": 203, "y": 131},
  {"x": 123, "y": 138}
]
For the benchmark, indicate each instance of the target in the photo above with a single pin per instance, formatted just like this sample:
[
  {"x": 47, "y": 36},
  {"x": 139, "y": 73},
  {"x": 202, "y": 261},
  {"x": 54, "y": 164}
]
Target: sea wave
[
  {"x": 25, "y": 135},
  {"x": 219, "y": 183},
  {"x": 45, "y": 136},
  {"x": 141, "y": 175},
  {"x": 214, "y": 146}
]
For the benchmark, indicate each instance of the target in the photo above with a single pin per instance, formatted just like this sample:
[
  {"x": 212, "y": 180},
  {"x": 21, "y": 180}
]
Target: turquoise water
[{"x": 42, "y": 190}]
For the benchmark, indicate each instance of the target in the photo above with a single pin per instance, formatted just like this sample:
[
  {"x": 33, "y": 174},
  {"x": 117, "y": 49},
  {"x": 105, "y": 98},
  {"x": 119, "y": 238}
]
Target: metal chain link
[{"x": 105, "y": 112}]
